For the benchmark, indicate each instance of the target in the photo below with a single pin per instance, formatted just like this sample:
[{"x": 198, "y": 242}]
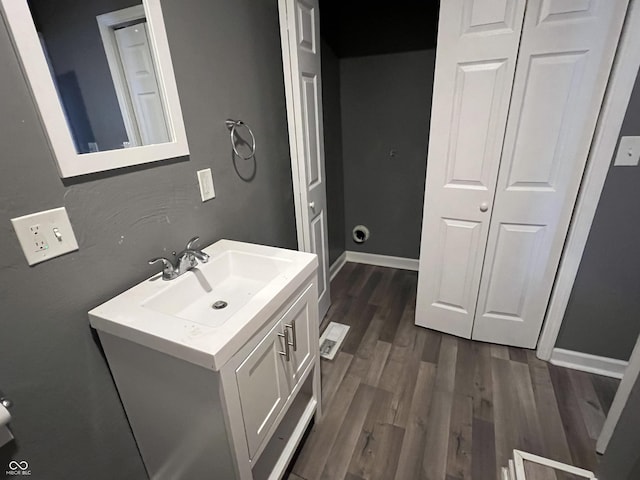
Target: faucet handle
[
  {"x": 168, "y": 270},
  {"x": 165, "y": 261},
  {"x": 191, "y": 243}
]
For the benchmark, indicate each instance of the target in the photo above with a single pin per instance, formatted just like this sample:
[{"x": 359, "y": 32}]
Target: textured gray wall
[
  {"x": 73, "y": 41},
  {"x": 68, "y": 421},
  {"x": 603, "y": 314},
  {"x": 386, "y": 105},
  {"x": 333, "y": 150}
]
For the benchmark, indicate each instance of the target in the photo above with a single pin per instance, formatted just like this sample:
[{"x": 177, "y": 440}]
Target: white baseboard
[
  {"x": 609, "y": 367},
  {"x": 337, "y": 265},
  {"x": 382, "y": 260}
]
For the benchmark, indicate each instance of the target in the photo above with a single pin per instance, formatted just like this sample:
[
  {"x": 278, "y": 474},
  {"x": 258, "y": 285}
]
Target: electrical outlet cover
[{"x": 37, "y": 238}]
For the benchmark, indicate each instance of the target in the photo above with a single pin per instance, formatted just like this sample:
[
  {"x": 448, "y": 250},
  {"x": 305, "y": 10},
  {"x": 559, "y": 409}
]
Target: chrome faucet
[{"x": 185, "y": 260}]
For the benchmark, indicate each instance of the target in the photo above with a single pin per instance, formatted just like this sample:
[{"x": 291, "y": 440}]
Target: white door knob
[
  {"x": 312, "y": 205},
  {"x": 484, "y": 206}
]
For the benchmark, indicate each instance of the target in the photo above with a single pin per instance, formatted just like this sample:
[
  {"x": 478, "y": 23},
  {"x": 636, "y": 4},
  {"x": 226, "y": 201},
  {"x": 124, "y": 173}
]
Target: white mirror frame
[{"x": 70, "y": 162}]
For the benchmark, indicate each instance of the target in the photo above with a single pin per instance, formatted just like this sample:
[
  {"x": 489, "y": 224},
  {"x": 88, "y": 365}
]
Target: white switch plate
[
  {"x": 205, "y": 179},
  {"x": 45, "y": 235},
  {"x": 628, "y": 152}
]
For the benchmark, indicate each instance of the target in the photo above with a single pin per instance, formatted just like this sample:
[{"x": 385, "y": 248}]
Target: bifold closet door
[
  {"x": 475, "y": 63},
  {"x": 565, "y": 57},
  {"x": 301, "y": 57}
]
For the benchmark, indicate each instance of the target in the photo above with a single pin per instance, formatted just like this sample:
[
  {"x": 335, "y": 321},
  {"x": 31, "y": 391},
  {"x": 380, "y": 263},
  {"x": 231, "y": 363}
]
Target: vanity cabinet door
[
  {"x": 298, "y": 322},
  {"x": 263, "y": 387}
]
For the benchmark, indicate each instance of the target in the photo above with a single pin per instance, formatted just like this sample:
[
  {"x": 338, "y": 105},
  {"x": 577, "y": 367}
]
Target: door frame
[{"x": 621, "y": 82}]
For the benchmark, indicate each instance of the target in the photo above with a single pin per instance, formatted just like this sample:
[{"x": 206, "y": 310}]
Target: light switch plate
[
  {"x": 205, "y": 179},
  {"x": 45, "y": 235},
  {"x": 628, "y": 152}
]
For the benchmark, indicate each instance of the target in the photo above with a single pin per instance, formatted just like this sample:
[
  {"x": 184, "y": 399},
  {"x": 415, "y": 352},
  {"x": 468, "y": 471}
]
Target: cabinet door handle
[
  {"x": 287, "y": 353},
  {"x": 292, "y": 326}
]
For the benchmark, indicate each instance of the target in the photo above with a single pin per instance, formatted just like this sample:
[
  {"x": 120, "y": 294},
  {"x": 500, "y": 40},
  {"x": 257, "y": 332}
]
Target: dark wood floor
[{"x": 405, "y": 402}]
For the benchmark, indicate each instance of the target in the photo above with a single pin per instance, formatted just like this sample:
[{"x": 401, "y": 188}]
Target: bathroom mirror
[{"x": 102, "y": 78}]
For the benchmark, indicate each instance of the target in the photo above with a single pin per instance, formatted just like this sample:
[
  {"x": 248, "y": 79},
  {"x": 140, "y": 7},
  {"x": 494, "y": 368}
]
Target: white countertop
[{"x": 125, "y": 316}]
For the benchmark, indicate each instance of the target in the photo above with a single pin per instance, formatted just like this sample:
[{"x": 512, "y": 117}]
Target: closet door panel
[
  {"x": 517, "y": 252},
  {"x": 458, "y": 249},
  {"x": 477, "y": 96},
  {"x": 566, "y": 52},
  {"x": 564, "y": 10},
  {"x": 535, "y": 165},
  {"x": 475, "y": 63},
  {"x": 489, "y": 16}
]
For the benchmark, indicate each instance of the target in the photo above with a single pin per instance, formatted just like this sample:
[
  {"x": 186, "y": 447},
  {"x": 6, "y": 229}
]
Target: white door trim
[
  {"x": 620, "y": 400},
  {"x": 336, "y": 266},
  {"x": 585, "y": 362},
  {"x": 621, "y": 82},
  {"x": 106, "y": 24}
]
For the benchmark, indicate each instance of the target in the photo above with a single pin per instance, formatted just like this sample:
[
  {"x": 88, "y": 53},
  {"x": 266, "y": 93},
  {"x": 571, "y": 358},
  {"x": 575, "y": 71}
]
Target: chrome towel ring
[{"x": 232, "y": 125}]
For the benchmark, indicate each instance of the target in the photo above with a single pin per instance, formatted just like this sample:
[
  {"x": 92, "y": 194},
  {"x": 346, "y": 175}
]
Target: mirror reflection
[{"x": 100, "y": 56}]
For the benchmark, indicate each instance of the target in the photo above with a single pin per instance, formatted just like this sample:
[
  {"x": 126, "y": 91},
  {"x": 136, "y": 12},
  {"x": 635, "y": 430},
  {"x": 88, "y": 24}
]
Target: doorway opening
[
  {"x": 363, "y": 165},
  {"x": 377, "y": 76}
]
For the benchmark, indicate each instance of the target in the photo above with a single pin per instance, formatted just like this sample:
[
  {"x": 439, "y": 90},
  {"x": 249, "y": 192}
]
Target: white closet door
[
  {"x": 565, "y": 56},
  {"x": 306, "y": 126},
  {"x": 475, "y": 63}
]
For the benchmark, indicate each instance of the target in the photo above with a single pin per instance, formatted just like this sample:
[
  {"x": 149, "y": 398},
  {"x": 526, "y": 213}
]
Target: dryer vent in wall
[{"x": 360, "y": 234}]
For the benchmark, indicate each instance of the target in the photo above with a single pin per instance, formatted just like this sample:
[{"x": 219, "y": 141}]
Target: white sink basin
[
  {"x": 233, "y": 277},
  {"x": 177, "y": 316}
]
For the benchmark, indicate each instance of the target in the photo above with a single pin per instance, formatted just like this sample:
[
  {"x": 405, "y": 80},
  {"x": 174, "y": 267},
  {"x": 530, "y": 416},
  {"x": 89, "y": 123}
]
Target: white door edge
[
  {"x": 303, "y": 243},
  {"x": 617, "y": 95}
]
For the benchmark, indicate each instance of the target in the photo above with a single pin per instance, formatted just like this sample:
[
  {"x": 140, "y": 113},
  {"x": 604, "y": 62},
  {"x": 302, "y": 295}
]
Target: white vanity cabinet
[
  {"x": 272, "y": 371},
  {"x": 202, "y": 406}
]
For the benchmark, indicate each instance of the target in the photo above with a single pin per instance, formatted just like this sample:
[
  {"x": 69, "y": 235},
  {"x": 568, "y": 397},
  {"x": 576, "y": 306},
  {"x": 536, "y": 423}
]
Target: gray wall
[
  {"x": 621, "y": 461},
  {"x": 386, "y": 105},
  {"x": 68, "y": 420},
  {"x": 73, "y": 41},
  {"x": 332, "y": 123},
  {"x": 603, "y": 314}
]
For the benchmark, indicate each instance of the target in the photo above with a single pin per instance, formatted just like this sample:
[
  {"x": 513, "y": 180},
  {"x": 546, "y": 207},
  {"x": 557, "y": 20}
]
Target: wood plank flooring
[{"x": 405, "y": 402}]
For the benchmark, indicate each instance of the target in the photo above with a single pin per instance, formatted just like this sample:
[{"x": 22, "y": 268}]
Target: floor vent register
[{"x": 332, "y": 338}]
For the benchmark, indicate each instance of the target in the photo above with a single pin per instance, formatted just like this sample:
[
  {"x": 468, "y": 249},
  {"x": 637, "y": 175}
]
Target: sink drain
[{"x": 219, "y": 305}]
